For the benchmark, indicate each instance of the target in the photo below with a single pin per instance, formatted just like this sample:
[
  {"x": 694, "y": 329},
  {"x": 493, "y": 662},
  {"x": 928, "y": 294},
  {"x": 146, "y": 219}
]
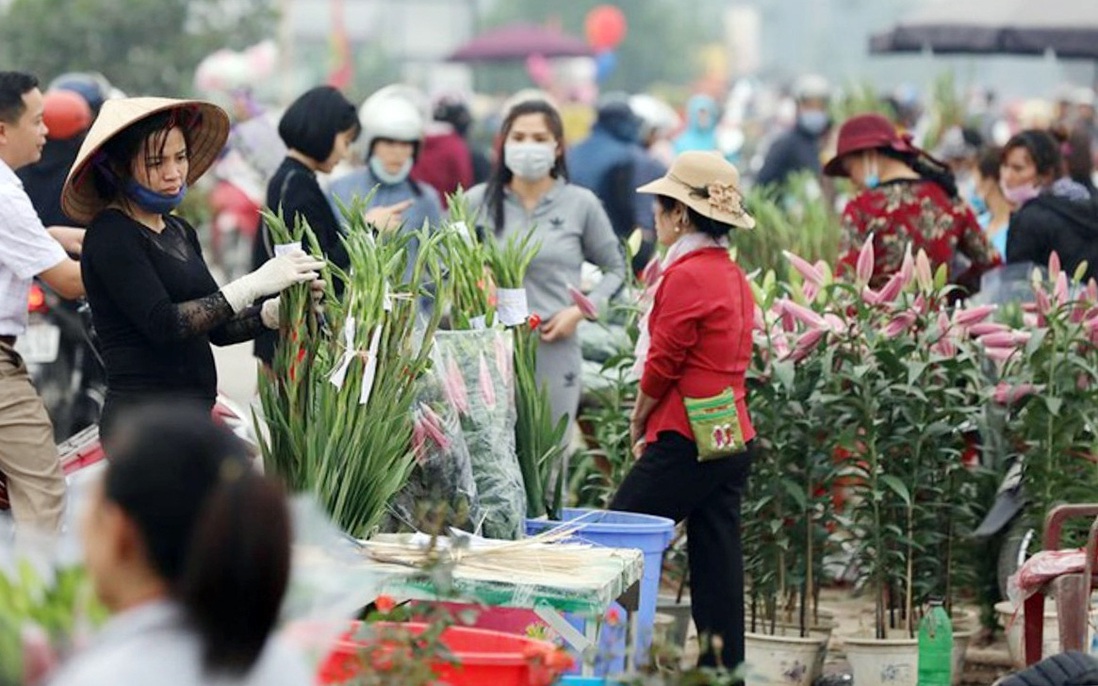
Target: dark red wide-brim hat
[{"x": 866, "y": 132}]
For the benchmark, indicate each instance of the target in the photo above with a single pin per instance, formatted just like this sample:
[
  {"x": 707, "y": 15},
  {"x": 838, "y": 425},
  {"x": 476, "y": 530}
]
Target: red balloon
[{"x": 605, "y": 27}]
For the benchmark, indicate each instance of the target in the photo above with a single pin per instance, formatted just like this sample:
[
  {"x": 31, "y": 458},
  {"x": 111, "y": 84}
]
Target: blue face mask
[
  {"x": 813, "y": 121},
  {"x": 872, "y": 177},
  {"x": 979, "y": 205},
  {"x": 151, "y": 201},
  {"x": 385, "y": 176}
]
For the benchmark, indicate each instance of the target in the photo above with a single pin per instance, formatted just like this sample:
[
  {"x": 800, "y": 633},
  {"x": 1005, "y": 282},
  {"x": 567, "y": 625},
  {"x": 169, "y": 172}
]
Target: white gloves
[
  {"x": 271, "y": 309},
  {"x": 275, "y": 275}
]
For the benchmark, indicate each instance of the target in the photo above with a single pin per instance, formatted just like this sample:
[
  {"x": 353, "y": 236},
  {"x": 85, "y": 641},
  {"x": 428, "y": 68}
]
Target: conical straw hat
[{"x": 207, "y": 129}]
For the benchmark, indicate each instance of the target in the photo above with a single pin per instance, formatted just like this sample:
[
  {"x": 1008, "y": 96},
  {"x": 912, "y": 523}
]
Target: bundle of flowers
[{"x": 339, "y": 402}]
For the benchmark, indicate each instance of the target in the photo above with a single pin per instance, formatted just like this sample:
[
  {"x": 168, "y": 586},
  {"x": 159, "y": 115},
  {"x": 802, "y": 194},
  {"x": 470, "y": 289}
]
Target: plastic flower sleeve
[
  {"x": 486, "y": 406},
  {"x": 441, "y": 491}
]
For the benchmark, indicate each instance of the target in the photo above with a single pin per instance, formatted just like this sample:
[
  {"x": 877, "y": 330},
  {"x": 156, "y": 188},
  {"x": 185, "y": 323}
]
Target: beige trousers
[{"x": 28, "y": 455}]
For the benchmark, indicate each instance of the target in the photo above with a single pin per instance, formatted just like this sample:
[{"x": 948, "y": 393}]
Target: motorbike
[{"x": 59, "y": 350}]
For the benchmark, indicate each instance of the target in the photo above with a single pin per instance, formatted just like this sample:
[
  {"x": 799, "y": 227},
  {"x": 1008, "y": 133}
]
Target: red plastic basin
[{"x": 485, "y": 658}]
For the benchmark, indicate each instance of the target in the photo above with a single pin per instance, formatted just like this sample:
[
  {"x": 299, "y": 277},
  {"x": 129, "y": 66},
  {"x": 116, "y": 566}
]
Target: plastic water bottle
[{"x": 935, "y": 646}]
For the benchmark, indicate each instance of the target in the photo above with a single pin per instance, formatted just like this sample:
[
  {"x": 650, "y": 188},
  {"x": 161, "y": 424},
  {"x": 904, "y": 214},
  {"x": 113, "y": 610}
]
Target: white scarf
[{"x": 691, "y": 242}]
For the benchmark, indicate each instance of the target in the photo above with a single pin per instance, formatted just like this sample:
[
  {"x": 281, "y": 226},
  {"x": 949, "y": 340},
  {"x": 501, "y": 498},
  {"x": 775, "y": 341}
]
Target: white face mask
[
  {"x": 530, "y": 161},
  {"x": 385, "y": 176}
]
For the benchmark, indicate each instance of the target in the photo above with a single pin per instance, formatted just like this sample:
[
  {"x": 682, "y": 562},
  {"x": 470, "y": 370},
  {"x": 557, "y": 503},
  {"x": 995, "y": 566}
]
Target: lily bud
[
  {"x": 803, "y": 314},
  {"x": 924, "y": 275},
  {"x": 866, "y": 261},
  {"x": 972, "y": 315},
  {"x": 907, "y": 267},
  {"x": 1053, "y": 266},
  {"x": 892, "y": 289},
  {"x": 808, "y": 271},
  {"x": 899, "y": 324}
]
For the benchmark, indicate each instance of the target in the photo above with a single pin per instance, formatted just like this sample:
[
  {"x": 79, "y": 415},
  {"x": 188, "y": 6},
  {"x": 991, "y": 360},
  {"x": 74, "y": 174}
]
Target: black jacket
[
  {"x": 1050, "y": 222},
  {"x": 1065, "y": 669},
  {"x": 794, "y": 151}
]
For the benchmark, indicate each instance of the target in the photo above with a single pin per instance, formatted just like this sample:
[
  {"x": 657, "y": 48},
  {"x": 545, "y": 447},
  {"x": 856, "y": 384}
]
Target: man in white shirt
[{"x": 28, "y": 456}]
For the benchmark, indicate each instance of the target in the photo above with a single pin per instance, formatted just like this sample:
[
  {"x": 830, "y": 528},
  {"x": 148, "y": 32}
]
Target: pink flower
[
  {"x": 920, "y": 304},
  {"x": 779, "y": 344},
  {"x": 985, "y": 328},
  {"x": 419, "y": 435},
  {"x": 806, "y": 344},
  {"x": 487, "y": 388},
  {"x": 870, "y": 297},
  {"x": 432, "y": 427},
  {"x": 835, "y": 323},
  {"x": 760, "y": 321},
  {"x": 810, "y": 291},
  {"x": 1060, "y": 291},
  {"x": 907, "y": 268},
  {"x": 866, "y": 261},
  {"x": 944, "y": 347},
  {"x": 1005, "y": 394},
  {"x": 924, "y": 275},
  {"x": 652, "y": 272},
  {"x": 802, "y": 314},
  {"x": 1031, "y": 320},
  {"x": 503, "y": 359},
  {"x": 944, "y": 326},
  {"x": 1001, "y": 339},
  {"x": 999, "y": 354},
  {"x": 454, "y": 386},
  {"x": 892, "y": 288},
  {"x": 899, "y": 324},
  {"x": 971, "y": 316},
  {"x": 1092, "y": 290},
  {"x": 810, "y": 273},
  {"x": 1053, "y": 266},
  {"x": 1044, "y": 305},
  {"x": 585, "y": 305}
]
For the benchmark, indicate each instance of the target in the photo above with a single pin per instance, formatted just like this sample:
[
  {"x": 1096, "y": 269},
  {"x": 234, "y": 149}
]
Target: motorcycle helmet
[
  {"x": 391, "y": 117},
  {"x": 656, "y": 116},
  {"x": 66, "y": 114},
  {"x": 92, "y": 86}
]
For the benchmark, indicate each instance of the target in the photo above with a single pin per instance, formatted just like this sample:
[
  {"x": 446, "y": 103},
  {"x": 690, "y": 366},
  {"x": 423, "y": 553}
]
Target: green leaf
[{"x": 898, "y": 487}]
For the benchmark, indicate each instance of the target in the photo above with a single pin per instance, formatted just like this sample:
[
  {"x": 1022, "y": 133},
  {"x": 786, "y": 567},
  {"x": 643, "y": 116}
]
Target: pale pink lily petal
[
  {"x": 1053, "y": 266},
  {"x": 1032, "y": 320},
  {"x": 803, "y": 314},
  {"x": 924, "y": 275},
  {"x": 432, "y": 425},
  {"x": 907, "y": 267},
  {"x": 810, "y": 291},
  {"x": 944, "y": 325},
  {"x": 920, "y": 304},
  {"x": 455, "y": 383},
  {"x": 999, "y": 354},
  {"x": 866, "y": 261},
  {"x": 1044, "y": 305},
  {"x": 1003, "y": 339},
  {"x": 1082, "y": 382},
  {"x": 780, "y": 346},
  {"x": 1092, "y": 290},
  {"x": 984, "y": 328},
  {"x": 1060, "y": 290},
  {"x": 972, "y": 315},
  {"x": 899, "y": 324},
  {"x": 585, "y": 304},
  {"x": 1006, "y": 394},
  {"x": 806, "y": 344},
  {"x": 810, "y": 273},
  {"x": 870, "y": 297},
  {"x": 823, "y": 268},
  {"x": 944, "y": 347},
  {"x": 419, "y": 435},
  {"x": 760, "y": 321},
  {"x": 835, "y": 323},
  {"x": 892, "y": 288}
]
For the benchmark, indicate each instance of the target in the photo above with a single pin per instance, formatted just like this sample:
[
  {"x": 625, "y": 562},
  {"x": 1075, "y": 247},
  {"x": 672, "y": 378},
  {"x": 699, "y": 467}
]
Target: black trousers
[{"x": 668, "y": 481}]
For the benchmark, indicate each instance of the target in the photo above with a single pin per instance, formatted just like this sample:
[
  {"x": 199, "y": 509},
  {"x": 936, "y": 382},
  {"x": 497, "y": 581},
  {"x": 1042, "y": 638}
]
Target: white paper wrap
[
  {"x": 339, "y": 376},
  {"x": 511, "y": 306},
  {"x": 370, "y": 371},
  {"x": 285, "y": 248}
]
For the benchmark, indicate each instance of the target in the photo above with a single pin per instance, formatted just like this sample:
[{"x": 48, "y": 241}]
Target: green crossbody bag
[{"x": 716, "y": 425}]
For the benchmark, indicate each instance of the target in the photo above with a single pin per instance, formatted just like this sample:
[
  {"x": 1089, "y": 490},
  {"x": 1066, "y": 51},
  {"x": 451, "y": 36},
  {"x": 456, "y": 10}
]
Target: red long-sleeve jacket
[{"x": 700, "y": 328}]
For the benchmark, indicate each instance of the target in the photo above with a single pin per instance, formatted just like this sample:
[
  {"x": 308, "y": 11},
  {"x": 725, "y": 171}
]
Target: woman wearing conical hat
[{"x": 155, "y": 306}]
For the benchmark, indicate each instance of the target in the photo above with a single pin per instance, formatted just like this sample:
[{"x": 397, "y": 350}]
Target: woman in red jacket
[{"x": 691, "y": 430}]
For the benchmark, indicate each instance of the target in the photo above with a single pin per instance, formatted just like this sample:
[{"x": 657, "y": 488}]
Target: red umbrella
[{"x": 519, "y": 41}]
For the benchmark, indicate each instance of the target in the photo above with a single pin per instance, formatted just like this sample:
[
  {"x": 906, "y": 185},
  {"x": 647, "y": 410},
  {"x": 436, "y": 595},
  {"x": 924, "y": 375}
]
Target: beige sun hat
[
  {"x": 207, "y": 126},
  {"x": 708, "y": 184}
]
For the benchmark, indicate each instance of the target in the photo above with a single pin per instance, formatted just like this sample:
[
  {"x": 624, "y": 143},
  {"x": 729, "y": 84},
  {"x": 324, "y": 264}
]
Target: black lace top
[{"x": 156, "y": 308}]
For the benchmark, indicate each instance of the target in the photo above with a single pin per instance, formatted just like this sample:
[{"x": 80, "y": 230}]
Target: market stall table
[{"x": 591, "y": 580}]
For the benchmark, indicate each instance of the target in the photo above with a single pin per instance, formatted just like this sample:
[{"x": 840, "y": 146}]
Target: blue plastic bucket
[{"x": 647, "y": 533}]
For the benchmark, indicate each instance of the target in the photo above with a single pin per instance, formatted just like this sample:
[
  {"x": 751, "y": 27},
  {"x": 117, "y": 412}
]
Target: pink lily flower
[
  {"x": 1032, "y": 320},
  {"x": 985, "y": 328},
  {"x": 892, "y": 288},
  {"x": 802, "y": 314},
  {"x": 1060, "y": 291},
  {"x": 1053, "y": 266},
  {"x": 972, "y": 315},
  {"x": 809, "y": 290},
  {"x": 924, "y": 275},
  {"x": 760, "y": 321},
  {"x": 419, "y": 435},
  {"x": 907, "y": 267},
  {"x": 432, "y": 426},
  {"x": 835, "y": 323},
  {"x": 920, "y": 304},
  {"x": 810, "y": 273},
  {"x": 806, "y": 344},
  {"x": 487, "y": 388},
  {"x": 1082, "y": 382},
  {"x": 866, "y": 261},
  {"x": 1044, "y": 305},
  {"x": 780, "y": 345},
  {"x": 870, "y": 297},
  {"x": 455, "y": 387},
  {"x": 585, "y": 304},
  {"x": 899, "y": 324},
  {"x": 1003, "y": 339},
  {"x": 944, "y": 325},
  {"x": 1005, "y": 394},
  {"x": 999, "y": 354},
  {"x": 944, "y": 346},
  {"x": 1092, "y": 290}
]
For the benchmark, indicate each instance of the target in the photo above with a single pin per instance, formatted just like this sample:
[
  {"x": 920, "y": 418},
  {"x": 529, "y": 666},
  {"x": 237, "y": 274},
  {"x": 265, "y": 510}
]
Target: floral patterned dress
[{"x": 918, "y": 212}]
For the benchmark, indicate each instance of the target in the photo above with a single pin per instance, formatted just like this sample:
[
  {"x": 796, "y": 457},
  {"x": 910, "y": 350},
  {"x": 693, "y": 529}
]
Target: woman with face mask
[
  {"x": 1052, "y": 212},
  {"x": 155, "y": 306},
  {"x": 529, "y": 189},
  {"x": 905, "y": 197},
  {"x": 392, "y": 134},
  {"x": 992, "y": 208}
]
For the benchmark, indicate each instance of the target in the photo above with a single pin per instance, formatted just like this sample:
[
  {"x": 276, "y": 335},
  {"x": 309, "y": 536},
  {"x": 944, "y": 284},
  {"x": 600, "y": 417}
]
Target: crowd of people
[{"x": 74, "y": 157}]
